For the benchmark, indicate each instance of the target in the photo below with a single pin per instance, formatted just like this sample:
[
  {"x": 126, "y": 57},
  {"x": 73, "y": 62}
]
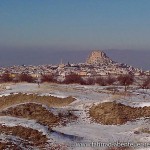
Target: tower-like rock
[{"x": 98, "y": 57}]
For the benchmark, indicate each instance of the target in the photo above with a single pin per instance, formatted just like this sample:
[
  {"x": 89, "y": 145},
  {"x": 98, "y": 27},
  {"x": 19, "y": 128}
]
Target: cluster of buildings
[{"x": 97, "y": 64}]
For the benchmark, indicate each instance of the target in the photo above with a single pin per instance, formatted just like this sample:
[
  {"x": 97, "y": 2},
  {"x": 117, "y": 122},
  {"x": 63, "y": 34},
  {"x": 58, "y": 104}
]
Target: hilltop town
[{"x": 97, "y": 64}]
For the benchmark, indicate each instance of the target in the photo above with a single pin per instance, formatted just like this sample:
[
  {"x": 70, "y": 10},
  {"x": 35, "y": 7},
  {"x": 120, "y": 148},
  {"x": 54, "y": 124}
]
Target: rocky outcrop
[{"x": 98, "y": 57}]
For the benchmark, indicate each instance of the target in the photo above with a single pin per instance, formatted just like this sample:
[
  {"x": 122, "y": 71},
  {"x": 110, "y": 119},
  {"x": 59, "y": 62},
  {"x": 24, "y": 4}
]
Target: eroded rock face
[{"x": 97, "y": 57}]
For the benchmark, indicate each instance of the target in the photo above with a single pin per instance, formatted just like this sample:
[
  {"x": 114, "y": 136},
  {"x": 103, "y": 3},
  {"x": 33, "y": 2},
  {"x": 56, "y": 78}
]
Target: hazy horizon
[
  {"x": 39, "y": 32},
  {"x": 139, "y": 59}
]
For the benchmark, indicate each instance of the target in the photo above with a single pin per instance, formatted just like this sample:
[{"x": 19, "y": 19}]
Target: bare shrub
[
  {"x": 146, "y": 83},
  {"x": 101, "y": 81},
  {"x": 110, "y": 80},
  {"x": 126, "y": 80},
  {"x": 90, "y": 81},
  {"x": 16, "y": 78},
  {"x": 73, "y": 78},
  {"x": 48, "y": 78},
  {"x": 83, "y": 82},
  {"x": 26, "y": 77},
  {"x": 6, "y": 77}
]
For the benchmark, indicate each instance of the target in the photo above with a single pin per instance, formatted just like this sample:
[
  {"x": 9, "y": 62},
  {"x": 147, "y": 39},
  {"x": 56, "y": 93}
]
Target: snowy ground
[{"x": 86, "y": 130}]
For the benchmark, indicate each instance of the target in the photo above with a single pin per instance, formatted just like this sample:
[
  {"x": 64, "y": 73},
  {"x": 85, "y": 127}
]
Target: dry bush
[
  {"x": 126, "y": 80},
  {"x": 90, "y": 81},
  {"x": 26, "y": 77},
  {"x": 105, "y": 81},
  {"x": 73, "y": 78},
  {"x": 48, "y": 78},
  {"x": 146, "y": 83},
  {"x": 16, "y": 78},
  {"x": 101, "y": 81},
  {"x": 110, "y": 80},
  {"x": 6, "y": 77}
]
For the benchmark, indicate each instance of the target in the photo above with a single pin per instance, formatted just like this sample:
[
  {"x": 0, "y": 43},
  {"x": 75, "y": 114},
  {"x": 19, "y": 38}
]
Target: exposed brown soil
[
  {"x": 7, "y": 101},
  {"x": 9, "y": 145},
  {"x": 27, "y": 138},
  {"x": 30, "y": 107},
  {"x": 40, "y": 114},
  {"x": 12, "y": 146},
  {"x": 35, "y": 137},
  {"x": 112, "y": 113},
  {"x": 33, "y": 111}
]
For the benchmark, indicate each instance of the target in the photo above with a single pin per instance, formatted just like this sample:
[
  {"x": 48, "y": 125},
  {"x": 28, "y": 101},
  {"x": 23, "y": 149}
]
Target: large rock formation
[{"x": 98, "y": 57}]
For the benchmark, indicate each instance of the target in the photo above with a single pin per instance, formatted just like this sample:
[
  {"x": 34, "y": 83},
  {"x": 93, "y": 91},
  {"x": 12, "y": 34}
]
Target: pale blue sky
[{"x": 75, "y": 24}]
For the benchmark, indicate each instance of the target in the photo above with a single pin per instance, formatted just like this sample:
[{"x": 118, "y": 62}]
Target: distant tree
[
  {"x": 82, "y": 82},
  {"x": 48, "y": 78},
  {"x": 110, "y": 80},
  {"x": 146, "y": 83},
  {"x": 90, "y": 81},
  {"x": 16, "y": 78},
  {"x": 6, "y": 77},
  {"x": 26, "y": 77},
  {"x": 126, "y": 80},
  {"x": 101, "y": 81},
  {"x": 73, "y": 78}
]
